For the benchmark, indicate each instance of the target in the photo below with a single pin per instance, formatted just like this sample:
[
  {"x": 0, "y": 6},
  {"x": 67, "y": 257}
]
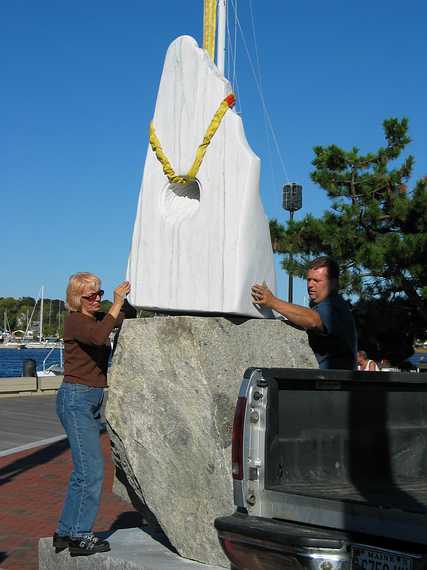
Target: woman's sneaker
[{"x": 87, "y": 545}]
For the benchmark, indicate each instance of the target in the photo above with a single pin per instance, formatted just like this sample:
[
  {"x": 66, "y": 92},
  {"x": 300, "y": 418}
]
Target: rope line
[
  {"x": 260, "y": 93},
  {"x": 258, "y": 67},
  {"x": 232, "y": 60}
]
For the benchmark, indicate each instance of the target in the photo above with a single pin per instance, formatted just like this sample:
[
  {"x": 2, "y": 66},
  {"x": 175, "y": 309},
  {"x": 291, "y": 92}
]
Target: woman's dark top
[{"x": 87, "y": 346}]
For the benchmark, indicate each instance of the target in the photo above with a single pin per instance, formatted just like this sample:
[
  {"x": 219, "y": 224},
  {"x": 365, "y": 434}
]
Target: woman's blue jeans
[{"x": 79, "y": 409}]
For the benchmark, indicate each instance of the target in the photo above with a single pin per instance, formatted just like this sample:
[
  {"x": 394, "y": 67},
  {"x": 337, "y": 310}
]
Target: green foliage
[
  {"x": 16, "y": 313},
  {"x": 105, "y": 305},
  {"x": 387, "y": 329},
  {"x": 376, "y": 227}
]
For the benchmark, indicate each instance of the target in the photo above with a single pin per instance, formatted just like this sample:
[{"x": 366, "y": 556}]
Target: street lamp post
[{"x": 292, "y": 201}]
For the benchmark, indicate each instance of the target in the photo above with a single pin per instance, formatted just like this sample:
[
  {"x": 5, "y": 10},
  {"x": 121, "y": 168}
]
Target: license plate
[{"x": 372, "y": 559}]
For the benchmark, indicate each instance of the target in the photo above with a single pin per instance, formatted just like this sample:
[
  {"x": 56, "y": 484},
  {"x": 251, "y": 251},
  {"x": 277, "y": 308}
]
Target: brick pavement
[{"x": 32, "y": 490}]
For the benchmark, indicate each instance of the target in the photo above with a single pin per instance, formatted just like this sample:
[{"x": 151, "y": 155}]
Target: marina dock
[{"x": 29, "y": 385}]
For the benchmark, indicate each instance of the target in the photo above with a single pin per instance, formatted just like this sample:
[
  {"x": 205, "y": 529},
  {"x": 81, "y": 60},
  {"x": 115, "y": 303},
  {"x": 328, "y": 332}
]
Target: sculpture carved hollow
[{"x": 181, "y": 200}]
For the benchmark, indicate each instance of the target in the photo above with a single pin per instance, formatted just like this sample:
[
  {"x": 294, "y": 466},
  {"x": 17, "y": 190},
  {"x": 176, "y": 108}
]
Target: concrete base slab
[{"x": 131, "y": 549}]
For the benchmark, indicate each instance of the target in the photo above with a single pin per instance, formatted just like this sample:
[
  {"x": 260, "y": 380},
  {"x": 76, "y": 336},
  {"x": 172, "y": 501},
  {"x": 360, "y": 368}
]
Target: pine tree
[{"x": 376, "y": 227}]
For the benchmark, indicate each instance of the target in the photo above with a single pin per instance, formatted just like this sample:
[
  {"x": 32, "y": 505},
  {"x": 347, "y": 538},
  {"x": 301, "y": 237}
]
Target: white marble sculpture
[{"x": 198, "y": 248}]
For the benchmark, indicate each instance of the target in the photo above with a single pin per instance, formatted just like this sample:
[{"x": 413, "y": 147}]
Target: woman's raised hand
[{"x": 121, "y": 291}]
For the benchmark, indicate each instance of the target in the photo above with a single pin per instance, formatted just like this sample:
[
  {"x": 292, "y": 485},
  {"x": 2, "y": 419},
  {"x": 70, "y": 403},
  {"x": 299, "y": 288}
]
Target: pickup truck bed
[{"x": 329, "y": 462}]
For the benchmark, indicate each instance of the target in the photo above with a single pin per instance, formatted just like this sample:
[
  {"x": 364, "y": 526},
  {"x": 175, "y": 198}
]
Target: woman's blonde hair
[{"x": 76, "y": 285}]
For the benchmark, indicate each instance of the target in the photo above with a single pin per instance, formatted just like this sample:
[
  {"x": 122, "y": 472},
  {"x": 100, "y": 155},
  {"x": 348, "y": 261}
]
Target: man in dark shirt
[{"x": 328, "y": 321}]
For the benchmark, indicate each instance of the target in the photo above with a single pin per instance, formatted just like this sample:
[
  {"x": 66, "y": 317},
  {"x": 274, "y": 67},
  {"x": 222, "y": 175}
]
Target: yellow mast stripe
[{"x": 209, "y": 27}]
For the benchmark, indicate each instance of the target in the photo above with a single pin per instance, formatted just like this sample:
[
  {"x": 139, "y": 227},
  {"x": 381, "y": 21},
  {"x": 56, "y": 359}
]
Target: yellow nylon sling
[{"x": 226, "y": 104}]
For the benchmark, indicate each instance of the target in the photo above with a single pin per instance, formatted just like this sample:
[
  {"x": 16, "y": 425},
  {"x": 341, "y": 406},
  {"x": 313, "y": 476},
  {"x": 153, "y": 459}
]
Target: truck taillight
[{"x": 237, "y": 440}]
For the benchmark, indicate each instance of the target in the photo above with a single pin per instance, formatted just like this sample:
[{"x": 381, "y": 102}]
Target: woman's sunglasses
[{"x": 92, "y": 298}]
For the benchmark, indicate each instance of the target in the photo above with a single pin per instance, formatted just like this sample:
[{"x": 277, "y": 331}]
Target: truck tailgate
[{"x": 337, "y": 449}]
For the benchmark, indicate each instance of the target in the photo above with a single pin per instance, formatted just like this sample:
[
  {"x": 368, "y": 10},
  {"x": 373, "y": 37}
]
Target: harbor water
[{"x": 12, "y": 359}]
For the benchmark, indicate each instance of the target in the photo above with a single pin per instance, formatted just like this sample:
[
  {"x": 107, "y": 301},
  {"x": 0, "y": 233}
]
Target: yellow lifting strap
[
  {"x": 226, "y": 104},
  {"x": 209, "y": 27}
]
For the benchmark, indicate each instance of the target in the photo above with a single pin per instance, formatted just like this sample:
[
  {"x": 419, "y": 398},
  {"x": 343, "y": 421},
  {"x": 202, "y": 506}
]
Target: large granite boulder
[{"x": 173, "y": 384}]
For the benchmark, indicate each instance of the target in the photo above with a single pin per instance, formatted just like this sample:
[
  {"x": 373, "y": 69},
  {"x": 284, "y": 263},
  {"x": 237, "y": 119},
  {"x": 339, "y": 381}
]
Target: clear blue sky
[{"x": 78, "y": 83}]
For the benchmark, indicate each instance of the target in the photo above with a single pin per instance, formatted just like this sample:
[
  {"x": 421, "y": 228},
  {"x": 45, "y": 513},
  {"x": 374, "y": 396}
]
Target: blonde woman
[{"x": 87, "y": 349}]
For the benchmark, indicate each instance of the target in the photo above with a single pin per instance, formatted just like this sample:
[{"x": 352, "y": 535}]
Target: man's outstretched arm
[{"x": 303, "y": 317}]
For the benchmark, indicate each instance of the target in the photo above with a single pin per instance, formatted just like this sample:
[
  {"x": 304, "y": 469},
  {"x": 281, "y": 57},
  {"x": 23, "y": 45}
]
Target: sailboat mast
[
  {"x": 59, "y": 319},
  {"x": 222, "y": 17},
  {"x": 211, "y": 7},
  {"x": 41, "y": 314}
]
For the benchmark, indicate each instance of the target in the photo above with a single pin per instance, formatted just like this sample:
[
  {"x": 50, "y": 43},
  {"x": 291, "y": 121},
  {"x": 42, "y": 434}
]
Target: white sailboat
[
  {"x": 8, "y": 339},
  {"x": 55, "y": 369},
  {"x": 42, "y": 342}
]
